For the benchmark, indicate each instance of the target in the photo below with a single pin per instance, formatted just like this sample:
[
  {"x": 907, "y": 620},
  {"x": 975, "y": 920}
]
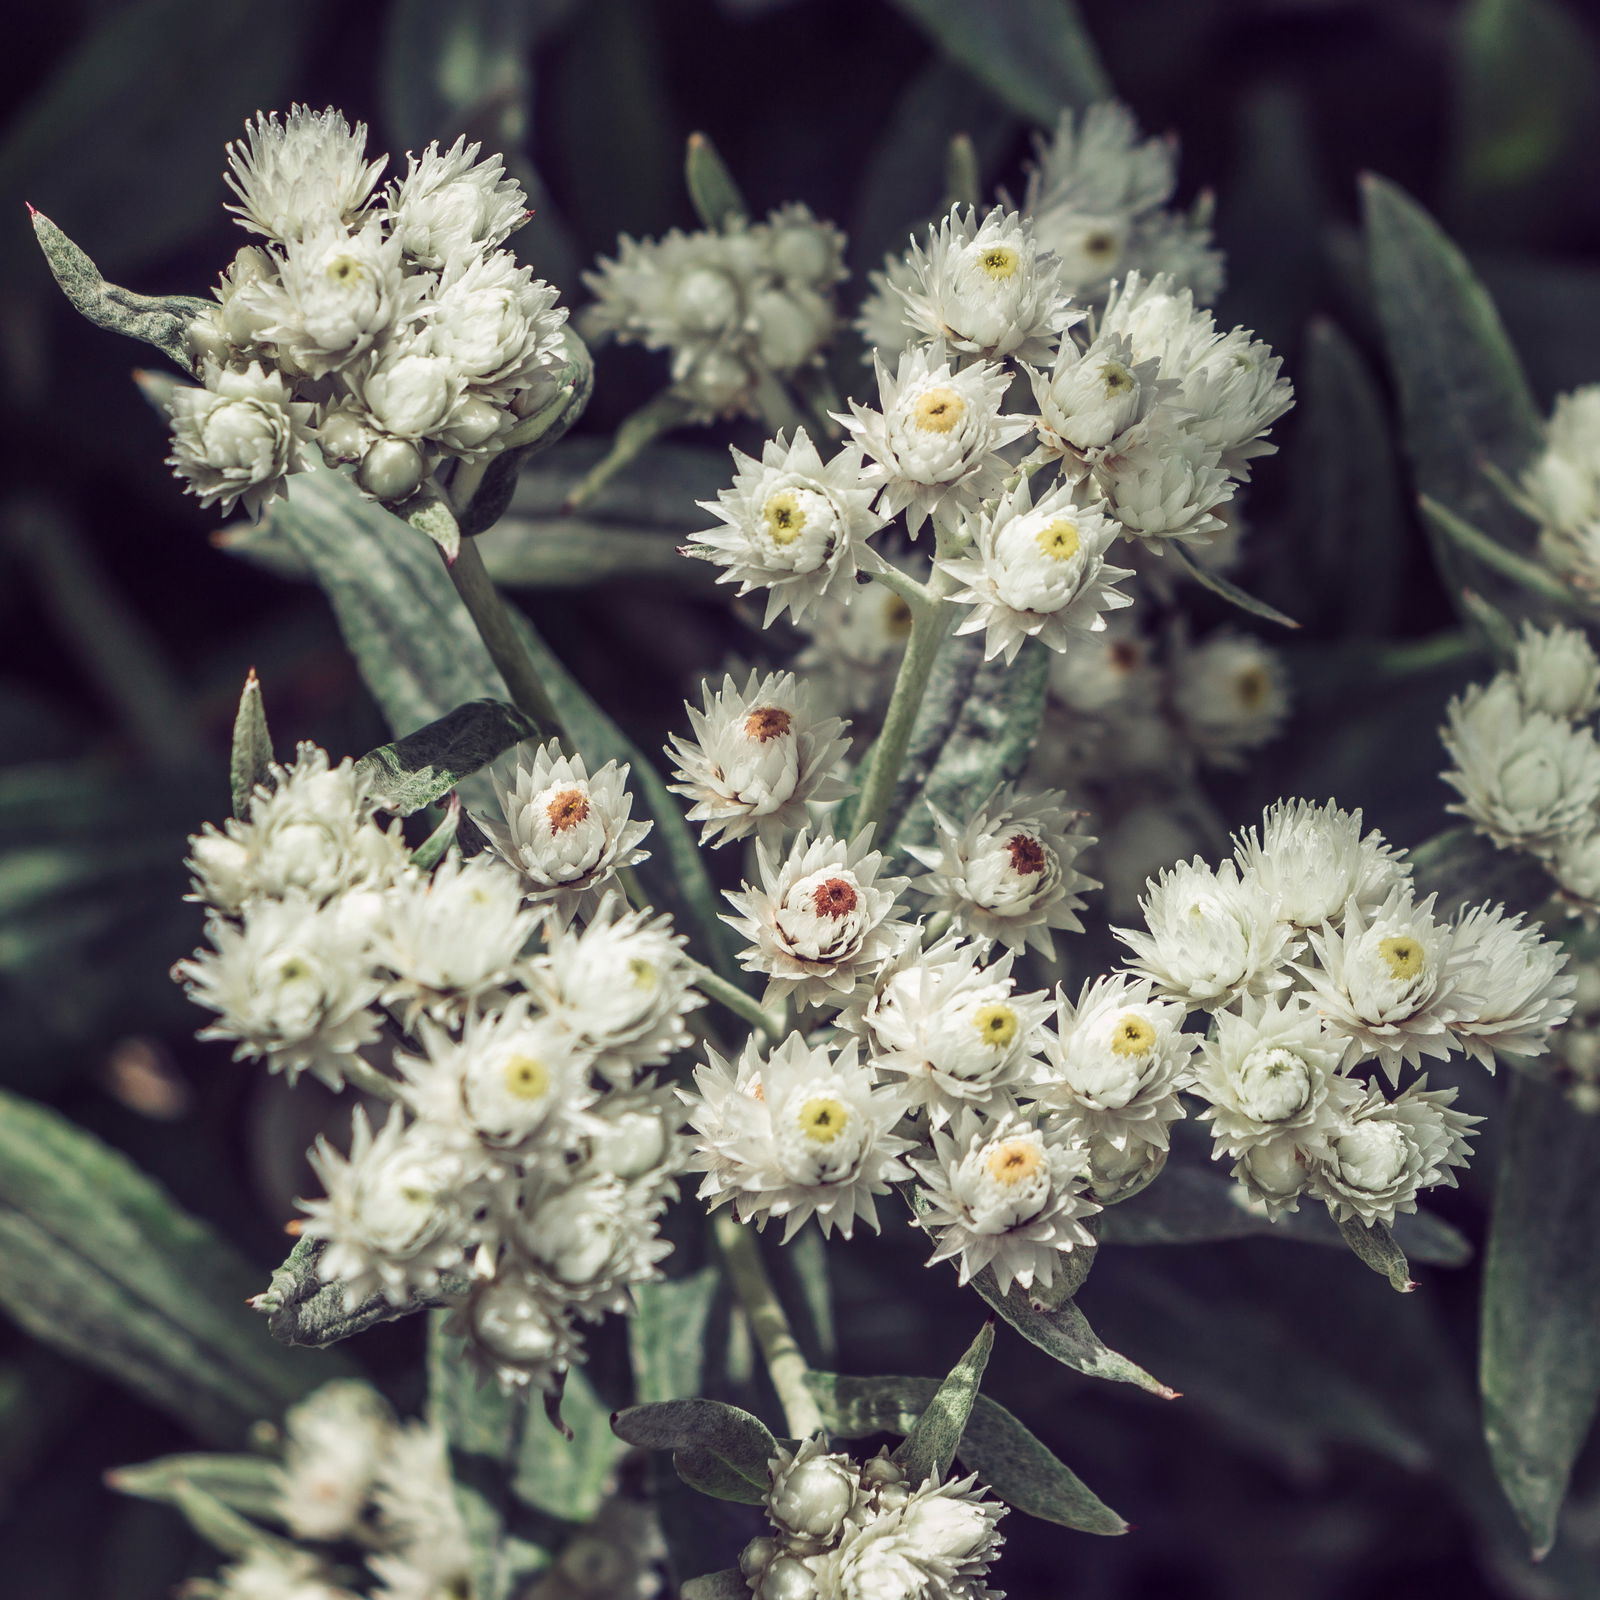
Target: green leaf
[
  {"x": 1376, "y": 1247},
  {"x": 1540, "y": 1359},
  {"x": 430, "y": 515},
  {"x": 1463, "y": 868},
  {"x": 1529, "y": 575},
  {"x": 667, "y": 1334},
  {"x": 161, "y": 321},
  {"x": 1036, "y": 55},
  {"x": 423, "y": 767},
  {"x": 97, "y": 1260},
  {"x": 995, "y": 1445},
  {"x": 1231, "y": 592},
  {"x": 931, "y": 1445},
  {"x": 432, "y": 850},
  {"x": 716, "y": 197},
  {"x": 729, "y": 1584},
  {"x": 962, "y": 184},
  {"x": 637, "y": 431},
  {"x": 738, "y": 1440},
  {"x": 249, "y": 1484},
  {"x": 250, "y": 761},
  {"x": 222, "y": 1526},
  {"x": 707, "y": 1473}
]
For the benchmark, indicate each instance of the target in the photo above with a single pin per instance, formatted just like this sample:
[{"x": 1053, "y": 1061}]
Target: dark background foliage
[{"x": 1327, "y": 1446}]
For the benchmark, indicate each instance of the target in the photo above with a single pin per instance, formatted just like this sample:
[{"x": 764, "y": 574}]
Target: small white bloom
[
  {"x": 1091, "y": 398},
  {"x": 277, "y": 1572},
  {"x": 814, "y": 1492},
  {"x": 798, "y": 1133},
  {"x": 235, "y": 440},
  {"x": 1574, "y": 864},
  {"x": 417, "y": 1513},
  {"x": 883, "y": 320},
  {"x": 634, "y": 1136},
  {"x": 1231, "y": 695},
  {"x": 410, "y": 394},
  {"x": 1009, "y": 873},
  {"x": 1165, "y": 485},
  {"x": 1557, "y": 672},
  {"x": 516, "y": 1327},
  {"x": 1561, "y": 488},
  {"x": 822, "y": 921},
  {"x": 450, "y": 205},
  {"x": 301, "y": 173},
  {"x": 495, "y": 324},
  {"x": 334, "y": 1443},
  {"x": 1523, "y": 990},
  {"x": 1118, "y": 1166},
  {"x": 1037, "y": 571},
  {"x": 759, "y": 756}
]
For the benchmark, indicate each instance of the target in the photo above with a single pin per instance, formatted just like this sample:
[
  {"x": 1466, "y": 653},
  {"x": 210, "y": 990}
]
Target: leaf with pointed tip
[
  {"x": 707, "y": 1473},
  {"x": 931, "y": 1445},
  {"x": 716, "y": 197},
  {"x": 250, "y": 761},
  {"x": 433, "y": 849},
  {"x": 1375, "y": 1245},
  {"x": 220, "y": 1525},
  {"x": 1231, "y": 592},
  {"x": 636, "y": 433},
  {"x": 741, "y": 1442},
  {"x": 1529, "y": 575},
  {"x": 423, "y": 767},
  {"x": 430, "y": 515},
  {"x": 249, "y": 1484}
]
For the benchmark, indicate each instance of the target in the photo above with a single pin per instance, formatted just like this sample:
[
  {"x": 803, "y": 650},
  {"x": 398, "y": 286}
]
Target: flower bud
[
  {"x": 787, "y": 1579},
  {"x": 473, "y": 423},
  {"x": 813, "y": 1498},
  {"x": 785, "y": 335},
  {"x": 757, "y": 1556},
  {"x": 343, "y": 437},
  {"x": 706, "y": 301},
  {"x": 391, "y": 470}
]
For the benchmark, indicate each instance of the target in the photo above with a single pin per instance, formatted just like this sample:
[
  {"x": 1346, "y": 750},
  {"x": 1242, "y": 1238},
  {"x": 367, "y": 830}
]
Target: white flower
[
  {"x": 801, "y": 1132},
  {"x": 1267, "y": 1071},
  {"x": 1525, "y": 779},
  {"x": 494, "y": 323},
  {"x": 1008, "y": 874},
  {"x": 936, "y": 438},
  {"x": 882, "y": 321},
  {"x": 987, "y": 288},
  {"x": 822, "y": 921},
  {"x": 294, "y": 983},
  {"x": 1310, "y": 859},
  {"x": 801, "y": 249},
  {"x": 1560, "y": 489},
  {"x": 634, "y": 1136},
  {"x": 236, "y": 439},
  {"x": 955, "y": 1030},
  {"x": 450, "y": 205},
  {"x": 794, "y": 525},
  {"x": 409, "y": 394},
  {"x": 274, "y": 1572},
  {"x": 393, "y": 1217},
  {"x": 1118, "y": 1165},
  {"x": 1557, "y": 672},
  {"x": 1007, "y": 1195},
  {"x": 1522, "y": 987},
  {"x": 1166, "y": 485},
  {"x": 1382, "y": 1153},
  {"x": 516, "y": 1327},
  {"x": 814, "y": 1493},
  {"x": 1210, "y": 936},
  {"x": 300, "y": 173},
  {"x": 417, "y": 1513},
  {"x": 334, "y": 1443},
  {"x": 759, "y": 756},
  {"x": 1230, "y": 694},
  {"x": 566, "y": 832},
  {"x": 1037, "y": 571},
  {"x": 1575, "y": 866},
  {"x": 1092, "y": 397},
  {"x": 1393, "y": 982}
]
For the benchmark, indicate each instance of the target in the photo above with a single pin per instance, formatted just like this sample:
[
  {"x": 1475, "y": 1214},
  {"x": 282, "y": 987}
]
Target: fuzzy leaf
[
  {"x": 1540, "y": 1360},
  {"x": 250, "y": 761},
  {"x": 707, "y": 1473},
  {"x": 249, "y": 1484},
  {"x": 716, "y": 197},
  {"x": 223, "y": 1527},
  {"x": 740, "y": 1441},
  {"x": 1231, "y": 592},
  {"x": 1376, "y": 1247},
  {"x": 433, "y": 849},
  {"x": 995, "y": 1445},
  {"x": 423, "y": 767},
  {"x": 931, "y": 1445},
  {"x": 430, "y": 515},
  {"x": 667, "y": 1334},
  {"x": 729, "y": 1584}
]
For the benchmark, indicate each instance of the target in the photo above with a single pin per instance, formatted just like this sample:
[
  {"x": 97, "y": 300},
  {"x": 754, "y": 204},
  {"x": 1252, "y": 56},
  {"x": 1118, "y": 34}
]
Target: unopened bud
[{"x": 391, "y": 470}]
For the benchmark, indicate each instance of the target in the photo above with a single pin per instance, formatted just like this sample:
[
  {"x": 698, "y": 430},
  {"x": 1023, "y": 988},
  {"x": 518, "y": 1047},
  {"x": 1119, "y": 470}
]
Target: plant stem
[
  {"x": 715, "y": 987},
  {"x": 364, "y": 1076},
  {"x": 493, "y": 622},
  {"x": 786, "y": 1366}
]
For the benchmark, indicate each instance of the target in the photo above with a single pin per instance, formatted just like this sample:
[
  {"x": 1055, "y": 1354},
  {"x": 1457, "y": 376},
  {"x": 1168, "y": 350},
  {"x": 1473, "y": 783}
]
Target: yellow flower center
[
  {"x": 1014, "y": 1161},
  {"x": 525, "y": 1077},
  {"x": 767, "y": 722},
  {"x": 1251, "y": 687},
  {"x": 1059, "y": 539},
  {"x": 784, "y": 517},
  {"x": 822, "y": 1120},
  {"x": 939, "y": 410},
  {"x": 1132, "y": 1036},
  {"x": 566, "y": 810},
  {"x": 293, "y": 970},
  {"x": 1402, "y": 955},
  {"x": 999, "y": 261},
  {"x": 642, "y": 972},
  {"x": 345, "y": 269},
  {"x": 1116, "y": 377},
  {"x": 996, "y": 1024}
]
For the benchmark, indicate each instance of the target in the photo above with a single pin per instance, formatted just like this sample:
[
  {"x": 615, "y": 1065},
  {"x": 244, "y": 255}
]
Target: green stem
[
  {"x": 786, "y": 1366},
  {"x": 493, "y": 622},
  {"x": 736, "y": 1000},
  {"x": 362, "y": 1075}
]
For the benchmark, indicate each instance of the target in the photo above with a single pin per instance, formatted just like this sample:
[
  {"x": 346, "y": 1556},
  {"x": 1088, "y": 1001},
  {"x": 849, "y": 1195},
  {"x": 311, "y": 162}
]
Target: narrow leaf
[
  {"x": 432, "y": 850},
  {"x": 250, "y": 761},
  {"x": 1231, "y": 592},
  {"x": 667, "y": 1334},
  {"x": 637, "y": 432},
  {"x": 249, "y": 1484},
  {"x": 716, "y": 197},
  {"x": 423, "y": 767},
  {"x": 220, "y": 1525},
  {"x": 739, "y": 1440},
  {"x": 707, "y": 1473},
  {"x": 1525, "y": 574},
  {"x": 935, "y": 1438},
  {"x": 1376, "y": 1246}
]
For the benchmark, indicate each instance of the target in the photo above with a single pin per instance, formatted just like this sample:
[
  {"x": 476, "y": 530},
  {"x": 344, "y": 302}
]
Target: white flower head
[
  {"x": 804, "y": 251},
  {"x": 634, "y": 1135},
  {"x": 1574, "y": 864},
  {"x": 1394, "y": 981},
  {"x": 409, "y": 394},
  {"x": 986, "y": 288},
  {"x": 798, "y": 1133},
  {"x": 1557, "y": 672},
  {"x": 236, "y": 439},
  {"x": 1009, "y": 872},
  {"x": 822, "y": 921},
  {"x": 334, "y": 1442},
  {"x": 1526, "y": 779},
  {"x": 883, "y": 319},
  {"x": 1231, "y": 695},
  {"x": 273, "y": 1572},
  {"x": 419, "y": 1521},
  {"x": 1167, "y": 484},
  {"x": 955, "y": 1030},
  {"x": 495, "y": 324},
  {"x": 1311, "y": 859},
  {"x": 1523, "y": 990},
  {"x": 297, "y": 174},
  {"x": 517, "y": 1330},
  {"x": 794, "y": 525},
  {"x": 393, "y": 1218},
  {"x": 1090, "y": 398},
  {"x": 1210, "y": 936},
  {"x": 567, "y": 832},
  {"x": 759, "y": 756},
  {"x": 815, "y": 1492},
  {"x": 936, "y": 437},
  {"x": 450, "y": 205},
  {"x": 1008, "y": 1195},
  {"x": 1037, "y": 571}
]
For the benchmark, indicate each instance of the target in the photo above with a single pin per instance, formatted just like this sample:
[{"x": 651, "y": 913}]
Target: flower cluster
[
  {"x": 521, "y": 1172},
  {"x": 1560, "y": 489},
  {"x": 864, "y": 1531},
  {"x": 386, "y": 328}
]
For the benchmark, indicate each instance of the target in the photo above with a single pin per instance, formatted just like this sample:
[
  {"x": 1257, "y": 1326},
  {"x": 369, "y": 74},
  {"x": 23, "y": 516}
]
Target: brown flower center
[
  {"x": 767, "y": 722},
  {"x": 567, "y": 810},
  {"x": 1027, "y": 855},
  {"x": 835, "y": 898}
]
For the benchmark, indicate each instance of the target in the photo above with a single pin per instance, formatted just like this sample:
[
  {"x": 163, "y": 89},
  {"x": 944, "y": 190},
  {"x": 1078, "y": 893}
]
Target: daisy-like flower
[
  {"x": 1557, "y": 672},
  {"x": 1309, "y": 860},
  {"x": 1009, "y": 873},
  {"x": 759, "y": 756},
  {"x": 1383, "y": 1153},
  {"x": 1231, "y": 696},
  {"x": 799, "y": 1133},
  {"x": 801, "y": 248},
  {"x": 393, "y": 1216},
  {"x": 238, "y": 438},
  {"x": 1090, "y": 398},
  {"x": 814, "y": 1491},
  {"x": 1266, "y": 1071},
  {"x": 452, "y": 938},
  {"x": 408, "y": 395},
  {"x": 1008, "y": 1195},
  {"x": 293, "y": 175},
  {"x": 622, "y": 986},
  {"x": 1275, "y": 1172},
  {"x": 334, "y": 1443},
  {"x": 822, "y": 921},
  {"x": 495, "y": 323},
  {"x": 1209, "y": 936},
  {"x": 954, "y": 1029},
  {"x": 936, "y": 437},
  {"x": 986, "y": 288},
  {"x": 420, "y": 1522},
  {"x": 1116, "y": 1062},
  {"x": 1523, "y": 988},
  {"x": 1560, "y": 488},
  {"x": 294, "y": 984},
  {"x": 1393, "y": 982},
  {"x": 1165, "y": 485},
  {"x": 450, "y": 205},
  {"x": 1037, "y": 572},
  {"x": 567, "y": 832},
  {"x": 634, "y": 1136},
  {"x": 795, "y": 525},
  {"x": 1528, "y": 780}
]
